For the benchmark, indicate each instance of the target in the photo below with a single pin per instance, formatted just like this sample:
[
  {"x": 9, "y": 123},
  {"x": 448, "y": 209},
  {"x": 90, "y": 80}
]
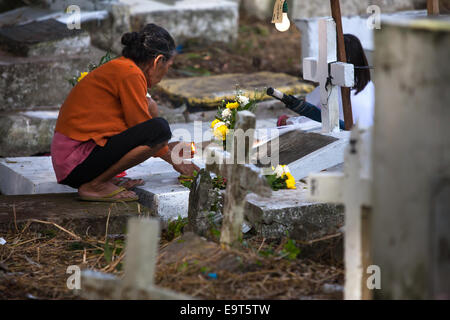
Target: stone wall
[{"x": 309, "y": 9}]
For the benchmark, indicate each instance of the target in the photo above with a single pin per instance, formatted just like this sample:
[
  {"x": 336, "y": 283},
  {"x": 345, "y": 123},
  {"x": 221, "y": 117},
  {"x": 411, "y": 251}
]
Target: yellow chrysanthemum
[
  {"x": 221, "y": 132},
  {"x": 290, "y": 182},
  {"x": 232, "y": 105},
  {"x": 214, "y": 123},
  {"x": 83, "y": 74}
]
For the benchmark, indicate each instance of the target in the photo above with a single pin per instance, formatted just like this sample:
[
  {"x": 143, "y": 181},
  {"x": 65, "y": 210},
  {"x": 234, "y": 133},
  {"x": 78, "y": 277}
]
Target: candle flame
[{"x": 193, "y": 149}]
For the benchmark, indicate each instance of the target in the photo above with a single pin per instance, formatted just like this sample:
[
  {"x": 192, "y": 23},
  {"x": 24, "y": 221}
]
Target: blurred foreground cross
[
  {"x": 353, "y": 189},
  {"x": 140, "y": 263}
]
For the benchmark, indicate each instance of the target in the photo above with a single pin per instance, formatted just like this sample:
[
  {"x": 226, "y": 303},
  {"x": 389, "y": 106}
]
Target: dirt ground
[
  {"x": 33, "y": 266},
  {"x": 260, "y": 47}
]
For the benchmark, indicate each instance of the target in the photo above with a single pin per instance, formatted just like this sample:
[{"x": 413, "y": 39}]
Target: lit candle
[{"x": 193, "y": 149}]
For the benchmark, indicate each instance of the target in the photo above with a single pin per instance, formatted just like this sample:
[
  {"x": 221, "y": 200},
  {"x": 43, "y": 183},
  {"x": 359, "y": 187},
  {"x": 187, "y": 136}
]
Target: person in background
[
  {"x": 362, "y": 94},
  {"x": 108, "y": 124}
]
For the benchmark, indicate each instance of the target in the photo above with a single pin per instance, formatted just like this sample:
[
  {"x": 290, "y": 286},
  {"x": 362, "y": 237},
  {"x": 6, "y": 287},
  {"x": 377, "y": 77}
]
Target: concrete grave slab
[
  {"x": 43, "y": 38},
  {"x": 26, "y": 133},
  {"x": 66, "y": 211},
  {"x": 210, "y": 91},
  {"x": 290, "y": 211},
  {"x": 215, "y": 21},
  {"x": 30, "y": 82}
]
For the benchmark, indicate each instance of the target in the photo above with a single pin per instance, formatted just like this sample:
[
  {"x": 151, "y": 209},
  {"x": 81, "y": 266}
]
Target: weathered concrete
[
  {"x": 411, "y": 156},
  {"x": 205, "y": 205},
  {"x": 39, "y": 81},
  {"x": 44, "y": 38},
  {"x": 309, "y": 9},
  {"x": 210, "y": 91},
  {"x": 289, "y": 211},
  {"x": 187, "y": 19},
  {"x": 26, "y": 133},
  {"x": 66, "y": 211}
]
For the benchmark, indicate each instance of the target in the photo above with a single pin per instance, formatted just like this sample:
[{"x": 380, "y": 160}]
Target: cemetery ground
[
  {"x": 34, "y": 260},
  {"x": 36, "y": 255},
  {"x": 259, "y": 47}
]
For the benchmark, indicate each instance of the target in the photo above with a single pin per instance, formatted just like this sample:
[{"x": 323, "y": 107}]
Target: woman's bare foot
[
  {"x": 128, "y": 184},
  {"x": 103, "y": 189}
]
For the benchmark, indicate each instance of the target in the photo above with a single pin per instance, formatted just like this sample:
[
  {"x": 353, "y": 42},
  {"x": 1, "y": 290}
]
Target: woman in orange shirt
[{"x": 107, "y": 125}]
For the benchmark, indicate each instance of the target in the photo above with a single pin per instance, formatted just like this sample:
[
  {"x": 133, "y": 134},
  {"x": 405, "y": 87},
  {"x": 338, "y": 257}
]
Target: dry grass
[{"x": 33, "y": 266}]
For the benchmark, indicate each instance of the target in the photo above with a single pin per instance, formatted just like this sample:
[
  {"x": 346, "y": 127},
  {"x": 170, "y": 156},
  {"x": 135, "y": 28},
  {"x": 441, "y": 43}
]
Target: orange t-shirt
[{"x": 106, "y": 102}]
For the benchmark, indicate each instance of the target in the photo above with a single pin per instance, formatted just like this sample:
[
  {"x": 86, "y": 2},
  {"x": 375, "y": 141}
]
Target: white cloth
[{"x": 363, "y": 104}]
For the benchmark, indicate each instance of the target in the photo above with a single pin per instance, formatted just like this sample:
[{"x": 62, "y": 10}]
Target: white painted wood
[
  {"x": 319, "y": 70},
  {"x": 142, "y": 250},
  {"x": 326, "y": 187},
  {"x": 310, "y": 69},
  {"x": 343, "y": 74},
  {"x": 353, "y": 189},
  {"x": 140, "y": 263}
]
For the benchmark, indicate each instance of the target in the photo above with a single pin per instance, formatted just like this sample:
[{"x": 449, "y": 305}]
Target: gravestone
[
  {"x": 140, "y": 263},
  {"x": 210, "y": 91},
  {"x": 242, "y": 177},
  {"x": 209, "y": 21},
  {"x": 26, "y": 133}
]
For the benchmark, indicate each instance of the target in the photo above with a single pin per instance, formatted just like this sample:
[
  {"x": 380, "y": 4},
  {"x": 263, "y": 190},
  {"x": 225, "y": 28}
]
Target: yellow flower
[
  {"x": 290, "y": 182},
  {"x": 214, "y": 123},
  {"x": 83, "y": 74},
  {"x": 232, "y": 105},
  {"x": 221, "y": 132}
]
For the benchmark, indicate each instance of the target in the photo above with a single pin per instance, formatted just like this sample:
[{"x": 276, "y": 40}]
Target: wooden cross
[
  {"x": 433, "y": 7},
  {"x": 242, "y": 176},
  {"x": 140, "y": 262},
  {"x": 342, "y": 57},
  {"x": 353, "y": 189},
  {"x": 329, "y": 73}
]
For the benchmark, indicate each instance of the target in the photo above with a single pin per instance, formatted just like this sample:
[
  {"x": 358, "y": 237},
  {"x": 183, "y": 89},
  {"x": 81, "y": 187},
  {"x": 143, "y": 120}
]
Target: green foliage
[
  {"x": 220, "y": 183},
  {"x": 107, "y": 251},
  {"x": 49, "y": 233},
  {"x": 187, "y": 180},
  {"x": 175, "y": 228},
  {"x": 290, "y": 249},
  {"x": 276, "y": 183},
  {"x": 92, "y": 66}
]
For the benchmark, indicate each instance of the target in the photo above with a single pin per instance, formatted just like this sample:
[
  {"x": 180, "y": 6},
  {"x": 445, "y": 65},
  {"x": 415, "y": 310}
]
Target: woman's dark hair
[
  {"x": 357, "y": 57},
  {"x": 147, "y": 44}
]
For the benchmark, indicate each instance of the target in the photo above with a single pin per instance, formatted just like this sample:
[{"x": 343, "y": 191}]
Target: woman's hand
[{"x": 186, "y": 169}]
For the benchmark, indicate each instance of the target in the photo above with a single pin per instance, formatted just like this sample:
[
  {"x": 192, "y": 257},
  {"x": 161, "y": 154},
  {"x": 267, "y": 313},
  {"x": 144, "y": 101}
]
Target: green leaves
[
  {"x": 175, "y": 228},
  {"x": 276, "y": 183}
]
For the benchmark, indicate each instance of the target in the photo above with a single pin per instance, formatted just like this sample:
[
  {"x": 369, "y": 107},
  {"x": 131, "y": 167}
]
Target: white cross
[
  {"x": 242, "y": 176},
  {"x": 353, "y": 189},
  {"x": 140, "y": 263},
  {"x": 319, "y": 70}
]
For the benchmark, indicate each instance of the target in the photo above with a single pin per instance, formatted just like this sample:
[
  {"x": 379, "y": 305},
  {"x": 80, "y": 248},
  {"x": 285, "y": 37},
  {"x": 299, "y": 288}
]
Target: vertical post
[
  {"x": 433, "y": 7},
  {"x": 233, "y": 213},
  {"x": 342, "y": 57},
  {"x": 329, "y": 98},
  {"x": 141, "y": 253}
]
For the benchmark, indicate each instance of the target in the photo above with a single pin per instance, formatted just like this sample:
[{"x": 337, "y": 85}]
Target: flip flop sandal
[{"x": 109, "y": 197}]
